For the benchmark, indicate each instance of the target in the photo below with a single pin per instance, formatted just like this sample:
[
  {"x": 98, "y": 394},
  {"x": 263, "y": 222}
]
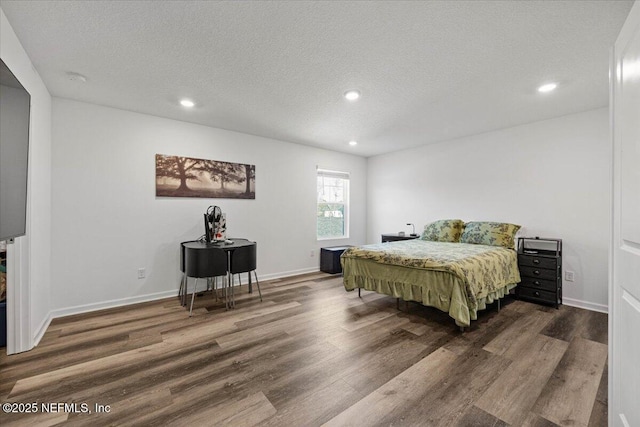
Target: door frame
[{"x": 19, "y": 337}]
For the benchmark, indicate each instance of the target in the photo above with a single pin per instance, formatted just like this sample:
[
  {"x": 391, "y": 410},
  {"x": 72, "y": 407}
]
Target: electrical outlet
[
  {"x": 312, "y": 253},
  {"x": 569, "y": 276},
  {"x": 141, "y": 273}
]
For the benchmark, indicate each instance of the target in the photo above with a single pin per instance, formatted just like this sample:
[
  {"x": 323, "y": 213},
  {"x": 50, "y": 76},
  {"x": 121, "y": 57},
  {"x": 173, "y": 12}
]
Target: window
[{"x": 333, "y": 204}]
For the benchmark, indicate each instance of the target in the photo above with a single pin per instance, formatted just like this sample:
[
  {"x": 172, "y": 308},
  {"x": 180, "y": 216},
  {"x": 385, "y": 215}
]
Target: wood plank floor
[{"x": 313, "y": 354}]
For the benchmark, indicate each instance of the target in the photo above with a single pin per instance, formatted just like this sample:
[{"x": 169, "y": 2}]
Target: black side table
[
  {"x": 330, "y": 259},
  {"x": 396, "y": 237},
  {"x": 540, "y": 264}
]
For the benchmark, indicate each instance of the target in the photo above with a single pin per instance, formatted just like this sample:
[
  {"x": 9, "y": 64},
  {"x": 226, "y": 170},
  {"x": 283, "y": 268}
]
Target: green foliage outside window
[{"x": 330, "y": 220}]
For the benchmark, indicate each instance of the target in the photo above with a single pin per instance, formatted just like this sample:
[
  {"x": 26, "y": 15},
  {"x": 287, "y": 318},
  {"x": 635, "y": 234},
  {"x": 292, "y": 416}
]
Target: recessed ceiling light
[
  {"x": 352, "y": 143},
  {"x": 352, "y": 95},
  {"x": 187, "y": 103},
  {"x": 548, "y": 87}
]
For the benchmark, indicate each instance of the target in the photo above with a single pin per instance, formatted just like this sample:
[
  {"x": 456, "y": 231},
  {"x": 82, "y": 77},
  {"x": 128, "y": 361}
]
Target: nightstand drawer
[
  {"x": 538, "y": 273},
  {"x": 531, "y": 282},
  {"x": 536, "y": 294},
  {"x": 538, "y": 262}
]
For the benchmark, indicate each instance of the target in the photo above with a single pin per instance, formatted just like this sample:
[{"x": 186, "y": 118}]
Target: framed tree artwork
[{"x": 190, "y": 177}]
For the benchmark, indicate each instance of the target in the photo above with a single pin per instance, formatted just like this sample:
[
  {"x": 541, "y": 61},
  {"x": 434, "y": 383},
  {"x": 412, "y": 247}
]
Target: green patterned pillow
[
  {"x": 490, "y": 233},
  {"x": 445, "y": 230}
]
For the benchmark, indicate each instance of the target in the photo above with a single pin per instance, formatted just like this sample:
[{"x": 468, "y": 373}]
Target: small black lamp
[{"x": 414, "y": 230}]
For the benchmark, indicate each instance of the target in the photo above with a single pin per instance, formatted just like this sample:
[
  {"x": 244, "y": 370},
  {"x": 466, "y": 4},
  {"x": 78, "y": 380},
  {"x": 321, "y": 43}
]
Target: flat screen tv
[{"x": 14, "y": 154}]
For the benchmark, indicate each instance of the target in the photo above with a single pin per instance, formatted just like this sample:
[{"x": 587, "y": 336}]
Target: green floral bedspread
[{"x": 458, "y": 278}]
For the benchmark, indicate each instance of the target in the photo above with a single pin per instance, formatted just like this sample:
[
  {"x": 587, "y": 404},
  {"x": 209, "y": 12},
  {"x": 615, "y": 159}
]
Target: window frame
[{"x": 346, "y": 177}]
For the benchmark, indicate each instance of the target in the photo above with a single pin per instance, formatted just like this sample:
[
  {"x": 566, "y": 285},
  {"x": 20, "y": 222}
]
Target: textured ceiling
[{"x": 428, "y": 71}]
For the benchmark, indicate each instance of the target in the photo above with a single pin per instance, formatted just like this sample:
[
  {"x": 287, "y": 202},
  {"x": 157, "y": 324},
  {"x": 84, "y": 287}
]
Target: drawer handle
[
  {"x": 536, "y": 283},
  {"x": 536, "y": 271},
  {"x": 536, "y": 293},
  {"x": 536, "y": 261}
]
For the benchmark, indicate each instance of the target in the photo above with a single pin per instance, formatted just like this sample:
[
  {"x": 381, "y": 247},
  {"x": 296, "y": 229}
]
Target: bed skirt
[{"x": 439, "y": 289}]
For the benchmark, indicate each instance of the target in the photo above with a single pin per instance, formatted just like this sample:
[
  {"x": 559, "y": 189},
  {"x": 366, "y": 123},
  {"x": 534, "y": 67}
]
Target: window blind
[{"x": 332, "y": 174}]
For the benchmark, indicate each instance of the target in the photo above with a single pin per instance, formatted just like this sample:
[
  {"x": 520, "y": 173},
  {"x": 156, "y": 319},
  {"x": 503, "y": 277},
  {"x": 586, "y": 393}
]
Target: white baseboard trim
[
  {"x": 601, "y": 308},
  {"x": 288, "y": 273},
  {"x": 39, "y": 333},
  {"x": 86, "y": 308}
]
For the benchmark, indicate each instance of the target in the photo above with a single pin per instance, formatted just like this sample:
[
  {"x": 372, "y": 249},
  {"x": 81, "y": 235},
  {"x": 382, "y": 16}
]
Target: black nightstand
[
  {"x": 396, "y": 237},
  {"x": 330, "y": 259},
  {"x": 540, "y": 264}
]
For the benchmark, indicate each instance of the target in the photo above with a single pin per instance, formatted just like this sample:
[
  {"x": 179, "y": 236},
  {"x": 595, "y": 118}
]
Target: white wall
[
  {"x": 32, "y": 254},
  {"x": 551, "y": 177},
  {"x": 107, "y": 221}
]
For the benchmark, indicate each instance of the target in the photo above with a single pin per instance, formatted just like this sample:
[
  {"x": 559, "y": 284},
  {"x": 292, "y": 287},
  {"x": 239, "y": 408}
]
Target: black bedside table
[
  {"x": 540, "y": 264},
  {"x": 330, "y": 259},
  {"x": 396, "y": 237}
]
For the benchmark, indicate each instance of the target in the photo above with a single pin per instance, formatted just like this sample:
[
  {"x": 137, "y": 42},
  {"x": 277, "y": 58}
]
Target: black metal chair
[
  {"x": 201, "y": 262},
  {"x": 244, "y": 260}
]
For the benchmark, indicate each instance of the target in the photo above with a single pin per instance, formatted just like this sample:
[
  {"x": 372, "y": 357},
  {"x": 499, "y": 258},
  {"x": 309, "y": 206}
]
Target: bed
[{"x": 453, "y": 272}]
